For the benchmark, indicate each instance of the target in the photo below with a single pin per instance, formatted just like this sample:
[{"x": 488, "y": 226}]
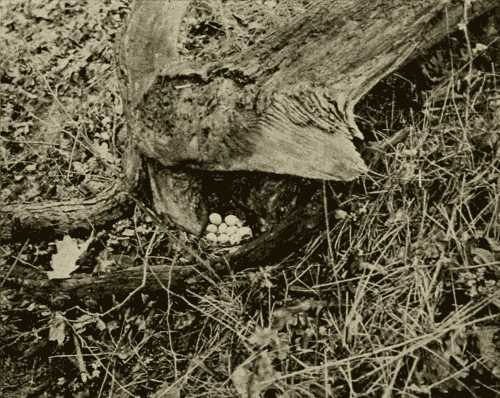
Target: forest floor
[{"x": 400, "y": 297}]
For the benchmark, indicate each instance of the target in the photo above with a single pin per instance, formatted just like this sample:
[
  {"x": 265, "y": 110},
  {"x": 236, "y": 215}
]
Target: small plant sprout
[{"x": 223, "y": 228}]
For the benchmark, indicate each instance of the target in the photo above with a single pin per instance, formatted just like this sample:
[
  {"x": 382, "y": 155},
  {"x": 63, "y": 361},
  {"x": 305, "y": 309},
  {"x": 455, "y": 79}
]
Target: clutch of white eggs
[{"x": 227, "y": 231}]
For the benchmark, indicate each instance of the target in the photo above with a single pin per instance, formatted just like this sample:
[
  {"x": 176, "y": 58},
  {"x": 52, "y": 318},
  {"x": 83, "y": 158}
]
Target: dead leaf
[
  {"x": 241, "y": 378},
  {"x": 250, "y": 384},
  {"x": 263, "y": 337},
  {"x": 376, "y": 268},
  {"x": 64, "y": 261},
  {"x": 494, "y": 245},
  {"x": 167, "y": 390},
  {"x": 490, "y": 353},
  {"x": 128, "y": 232},
  {"x": 57, "y": 329},
  {"x": 104, "y": 153}
]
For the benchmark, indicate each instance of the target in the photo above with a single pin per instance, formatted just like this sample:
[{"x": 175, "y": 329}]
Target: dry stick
[
  {"x": 84, "y": 374},
  {"x": 403, "y": 348},
  {"x": 327, "y": 224},
  {"x": 143, "y": 281},
  {"x": 14, "y": 263},
  {"x": 25, "y": 142},
  {"x": 101, "y": 363}
]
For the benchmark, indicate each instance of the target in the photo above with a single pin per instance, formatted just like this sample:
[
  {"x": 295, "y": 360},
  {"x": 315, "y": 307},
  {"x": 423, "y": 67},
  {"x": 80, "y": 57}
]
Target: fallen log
[
  {"x": 262, "y": 250},
  {"x": 45, "y": 219}
]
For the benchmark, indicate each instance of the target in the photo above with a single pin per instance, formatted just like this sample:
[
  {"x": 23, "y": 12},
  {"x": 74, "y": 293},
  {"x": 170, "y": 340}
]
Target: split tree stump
[{"x": 260, "y": 96}]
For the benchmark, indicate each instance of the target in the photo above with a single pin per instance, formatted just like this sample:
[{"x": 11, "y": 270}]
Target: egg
[
  {"x": 232, "y": 220},
  {"x": 234, "y": 240},
  {"x": 245, "y": 232},
  {"x": 223, "y": 238},
  {"x": 232, "y": 230},
  {"x": 211, "y": 228},
  {"x": 215, "y": 218},
  {"x": 222, "y": 228},
  {"x": 211, "y": 237}
]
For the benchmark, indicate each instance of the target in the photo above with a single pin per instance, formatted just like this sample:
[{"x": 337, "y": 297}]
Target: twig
[
  {"x": 144, "y": 277},
  {"x": 84, "y": 374},
  {"x": 14, "y": 263}
]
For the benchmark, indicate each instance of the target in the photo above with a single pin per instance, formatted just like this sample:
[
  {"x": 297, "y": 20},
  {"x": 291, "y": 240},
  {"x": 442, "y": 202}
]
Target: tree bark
[
  {"x": 41, "y": 221},
  {"x": 286, "y": 104}
]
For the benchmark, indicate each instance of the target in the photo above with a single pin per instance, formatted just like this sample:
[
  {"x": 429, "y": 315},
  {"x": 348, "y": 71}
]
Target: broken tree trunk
[
  {"x": 260, "y": 95},
  {"x": 283, "y": 105}
]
